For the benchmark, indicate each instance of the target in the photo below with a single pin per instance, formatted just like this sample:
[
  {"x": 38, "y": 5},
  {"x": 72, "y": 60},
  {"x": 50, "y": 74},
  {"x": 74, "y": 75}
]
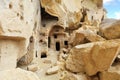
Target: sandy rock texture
[
  {"x": 17, "y": 74},
  {"x": 19, "y": 26},
  {"x": 90, "y": 11},
  {"x": 110, "y": 29},
  {"x": 93, "y": 57},
  {"x": 84, "y": 35},
  {"x": 58, "y": 40},
  {"x": 109, "y": 76}
]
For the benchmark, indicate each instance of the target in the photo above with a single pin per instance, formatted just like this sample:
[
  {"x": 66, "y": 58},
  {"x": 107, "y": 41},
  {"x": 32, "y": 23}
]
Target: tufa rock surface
[
  {"x": 110, "y": 29},
  {"x": 17, "y": 74},
  {"x": 92, "y": 57},
  {"x": 19, "y": 26}
]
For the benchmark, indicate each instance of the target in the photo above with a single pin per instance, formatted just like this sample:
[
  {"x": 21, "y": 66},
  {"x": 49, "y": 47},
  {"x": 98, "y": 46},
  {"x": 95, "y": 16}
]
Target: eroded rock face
[
  {"x": 17, "y": 74},
  {"x": 92, "y": 57},
  {"x": 109, "y": 76},
  {"x": 52, "y": 70},
  {"x": 75, "y": 11},
  {"x": 21, "y": 40},
  {"x": 19, "y": 20},
  {"x": 110, "y": 28},
  {"x": 59, "y": 8},
  {"x": 32, "y": 68},
  {"x": 95, "y": 63},
  {"x": 70, "y": 76},
  {"x": 84, "y": 35}
]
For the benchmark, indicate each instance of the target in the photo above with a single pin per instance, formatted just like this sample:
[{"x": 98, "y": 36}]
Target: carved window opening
[
  {"x": 43, "y": 55},
  {"x": 65, "y": 42},
  {"x": 55, "y": 36},
  {"x": 84, "y": 15},
  {"x": 57, "y": 46},
  {"x": 36, "y": 54},
  {"x": 49, "y": 40}
]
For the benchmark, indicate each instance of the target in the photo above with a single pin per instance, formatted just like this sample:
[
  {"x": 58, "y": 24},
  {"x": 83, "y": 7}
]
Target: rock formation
[
  {"x": 58, "y": 40},
  {"x": 19, "y": 28},
  {"x": 75, "y": 11},
  {"x": 93, "y": 57},
  {"x": 110, "y": 29},
  {"x": 18, "y": 74}
]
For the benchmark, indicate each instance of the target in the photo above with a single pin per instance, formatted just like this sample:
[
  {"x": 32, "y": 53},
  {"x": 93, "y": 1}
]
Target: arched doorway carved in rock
[{"x": 57, "y": 38}]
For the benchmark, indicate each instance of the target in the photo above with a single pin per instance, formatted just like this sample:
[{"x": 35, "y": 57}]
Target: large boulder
[
  {"x": 17, "y": 74},
  {"x": 82, "y": 35},
  {"x": 110, "y": 29},
  {"x": 93, "y": 57},
  {"x": 71, "y": 76},
  {"x": 109, "y": 76}
]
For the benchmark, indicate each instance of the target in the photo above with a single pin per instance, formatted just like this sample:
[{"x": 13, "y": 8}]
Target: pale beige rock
[
  {"x": 8, "y": 60},
  {"x": 82, "y": 35},
  {"x": 47, "y": 61},
  {"x": 32, "y": 68},
  {"x": 75, "y": 11},
  {"x": 76, "y": 38},
  {"x": 91, "y": 36},
  {"x": 21, "y": 40},
  {"x": 62, "y": 56},
  {"x": 93, "y": 57},
  {"x": 19, "y": 21},
  {"x": 71, "y": 76},
  {"x": 109, "y": 76},
  {"x": 67, "y": 76},
  {"x": 74, "y": 62},
  {"x": 110, "y": 28},
  {"x": 17, "y": 74},
  {"x": 52, "y": 70},
  {"x": 57, "y": 8},
  {"x": 95, "y": 61}
]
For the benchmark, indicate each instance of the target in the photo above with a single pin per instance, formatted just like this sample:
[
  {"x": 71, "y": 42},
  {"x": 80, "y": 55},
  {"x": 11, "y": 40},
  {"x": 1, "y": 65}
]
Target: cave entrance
[
  {"x": 57, "y": 46},
  {"x": 46, "y": 16}
]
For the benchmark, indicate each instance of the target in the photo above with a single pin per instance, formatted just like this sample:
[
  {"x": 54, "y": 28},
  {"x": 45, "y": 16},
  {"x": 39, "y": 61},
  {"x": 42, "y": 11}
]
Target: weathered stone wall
[
  {"x": 75, "y": 11},
  {"x": 19, "y": 20}
]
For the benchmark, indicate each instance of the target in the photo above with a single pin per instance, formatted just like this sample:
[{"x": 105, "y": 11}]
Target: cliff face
[
  {"x": 75, "y": 11},
  {"x": 19, "y": 27},
  {"x": 58, "y": 40}
]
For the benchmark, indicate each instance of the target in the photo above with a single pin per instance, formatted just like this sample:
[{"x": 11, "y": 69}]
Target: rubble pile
[{"x": 58, "y": 40}]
